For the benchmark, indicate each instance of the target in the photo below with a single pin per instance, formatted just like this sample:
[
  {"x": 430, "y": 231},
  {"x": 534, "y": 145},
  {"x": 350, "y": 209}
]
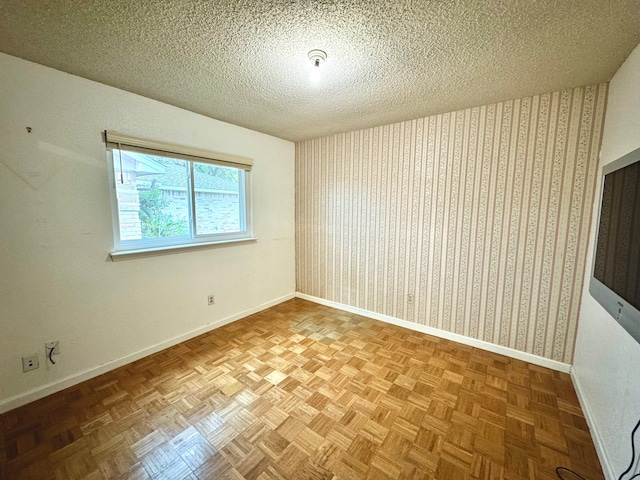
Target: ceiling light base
[{"x": 317, "y": 57}]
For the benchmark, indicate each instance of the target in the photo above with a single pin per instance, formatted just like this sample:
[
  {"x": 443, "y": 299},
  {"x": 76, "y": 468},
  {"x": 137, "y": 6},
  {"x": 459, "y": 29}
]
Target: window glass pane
[
  {"x": 162, "y": 201},
  {"x": 219, "y": 199},
  {"x": 153, "y": 196}
]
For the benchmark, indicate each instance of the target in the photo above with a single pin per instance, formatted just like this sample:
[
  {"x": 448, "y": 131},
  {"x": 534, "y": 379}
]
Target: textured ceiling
[{"x": 245, "y": 62}]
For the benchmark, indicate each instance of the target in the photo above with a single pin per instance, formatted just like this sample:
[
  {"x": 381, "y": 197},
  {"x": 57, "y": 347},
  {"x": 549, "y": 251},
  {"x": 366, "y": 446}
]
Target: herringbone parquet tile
[{"x": 303, "y": 391}]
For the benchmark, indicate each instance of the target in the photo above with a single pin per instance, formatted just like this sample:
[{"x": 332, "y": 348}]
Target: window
[{"x": 170, "y": 196}]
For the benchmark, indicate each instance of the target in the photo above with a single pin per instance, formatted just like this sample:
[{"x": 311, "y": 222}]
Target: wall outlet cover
[
  {"x": 53, "y": 345},
  {"x": 30, "y": 363}
]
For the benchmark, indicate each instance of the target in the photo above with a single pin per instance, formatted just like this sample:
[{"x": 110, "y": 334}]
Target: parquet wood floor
[{"x": 303, "y": 391}]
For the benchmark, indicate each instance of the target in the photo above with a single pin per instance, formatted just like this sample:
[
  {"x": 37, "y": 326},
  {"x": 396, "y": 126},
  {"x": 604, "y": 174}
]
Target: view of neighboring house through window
[{"x": 164, "y": 200}]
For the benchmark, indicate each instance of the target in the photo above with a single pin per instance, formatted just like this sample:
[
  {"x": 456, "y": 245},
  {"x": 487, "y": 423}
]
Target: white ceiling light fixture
[{"x": 316, "y": 57}]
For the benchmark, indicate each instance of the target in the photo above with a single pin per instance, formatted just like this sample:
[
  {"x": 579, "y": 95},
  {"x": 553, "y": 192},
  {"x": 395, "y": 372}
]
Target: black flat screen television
[{"x": 615, "y": 279}]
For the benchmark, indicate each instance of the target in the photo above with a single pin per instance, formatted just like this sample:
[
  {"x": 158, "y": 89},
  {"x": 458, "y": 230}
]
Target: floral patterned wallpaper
[{"x": 475, "y": 222}]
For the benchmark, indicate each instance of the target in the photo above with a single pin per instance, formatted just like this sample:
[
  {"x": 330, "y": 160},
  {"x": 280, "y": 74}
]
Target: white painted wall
[
  {"x": 607, "y": 358},
  {"x": 56, "y": 280}
]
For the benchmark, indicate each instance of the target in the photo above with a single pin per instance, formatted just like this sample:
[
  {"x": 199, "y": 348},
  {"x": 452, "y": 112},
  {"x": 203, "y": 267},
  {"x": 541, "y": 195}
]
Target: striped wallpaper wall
[{"x": 475, "y": 222}]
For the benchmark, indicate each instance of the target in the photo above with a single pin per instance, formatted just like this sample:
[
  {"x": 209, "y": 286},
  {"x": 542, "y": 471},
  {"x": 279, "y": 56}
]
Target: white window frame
[{"x": 144, "y": 247}]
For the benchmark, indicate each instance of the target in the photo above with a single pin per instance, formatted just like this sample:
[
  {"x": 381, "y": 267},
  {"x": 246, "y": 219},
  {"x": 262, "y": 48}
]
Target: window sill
[{"x": 170, "y": 250}]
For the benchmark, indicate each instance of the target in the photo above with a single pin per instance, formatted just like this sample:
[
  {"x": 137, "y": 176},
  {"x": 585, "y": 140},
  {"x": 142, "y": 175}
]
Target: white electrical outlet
[
  {"x": 211, "y": 299},
  {"x": 30, "y": 363},
  {"x": 51, "y": 349},
  {"x": 55, "y": 346}
]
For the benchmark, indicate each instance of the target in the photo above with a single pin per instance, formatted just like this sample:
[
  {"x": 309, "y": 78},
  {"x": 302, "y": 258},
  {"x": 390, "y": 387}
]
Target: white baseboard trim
[
  {"x": 607, "y": 468},
  {"x": 53, "y": 387},
  {"x": 491, "y": 347}
]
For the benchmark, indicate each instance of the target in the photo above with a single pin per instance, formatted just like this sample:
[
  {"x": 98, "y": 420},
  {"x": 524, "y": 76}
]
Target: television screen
[{"x": 616, "y": 271}]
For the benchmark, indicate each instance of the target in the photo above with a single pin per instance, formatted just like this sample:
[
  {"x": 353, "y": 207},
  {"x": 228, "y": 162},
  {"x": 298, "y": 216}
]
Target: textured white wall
[
  {"x": 56, "y": 279},
  {"x": 607, "y": 359}
]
